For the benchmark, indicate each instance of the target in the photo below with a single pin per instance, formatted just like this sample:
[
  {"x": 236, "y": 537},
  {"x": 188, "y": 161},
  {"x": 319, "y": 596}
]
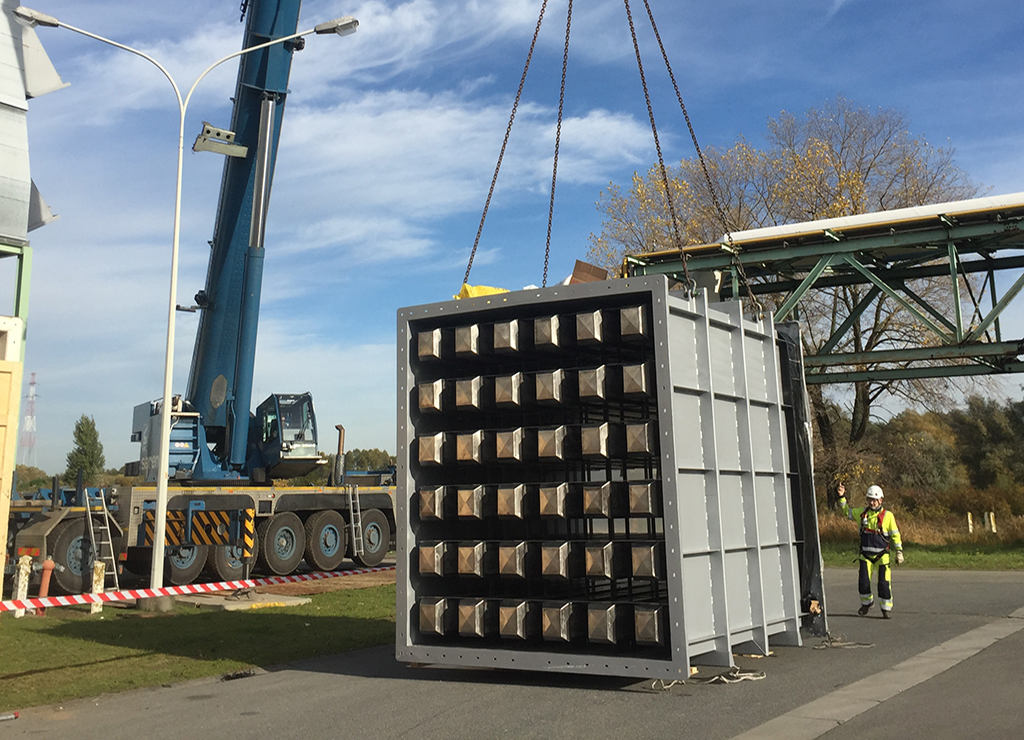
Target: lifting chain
[
  {"x": 558, "y": 141},
  {"x": 244, "y": 7},
  {"x": 690, "y": 284},
  {"x": 504, "y": 143},
  {"x": 719, "y": 210}
]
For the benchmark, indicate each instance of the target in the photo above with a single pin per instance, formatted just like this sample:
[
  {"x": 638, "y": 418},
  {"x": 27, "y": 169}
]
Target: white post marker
[
  {"x": 99, "y": 576},
  {"x": 21, "y": 576},
  {"x": 340, "y": 26},
  {"x": 970, "y": 523}
]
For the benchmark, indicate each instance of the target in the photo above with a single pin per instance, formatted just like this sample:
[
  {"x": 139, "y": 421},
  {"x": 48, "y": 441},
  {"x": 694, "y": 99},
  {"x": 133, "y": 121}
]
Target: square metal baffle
[{"x": 599, "y": 478}]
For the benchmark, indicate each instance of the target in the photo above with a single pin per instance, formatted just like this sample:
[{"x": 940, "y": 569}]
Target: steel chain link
[
  {"x": 558, "y": 142},
  {"x": 504, "y": 143}
]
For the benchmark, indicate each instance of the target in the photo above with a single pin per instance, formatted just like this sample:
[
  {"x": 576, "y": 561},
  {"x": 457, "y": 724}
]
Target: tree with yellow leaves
[{"x": 837, "y": 160}]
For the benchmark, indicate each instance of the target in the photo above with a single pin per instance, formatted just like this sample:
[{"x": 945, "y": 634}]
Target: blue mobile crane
[
  {"x": 215, "y": 439},
  {"x": 227, "y": 508}
]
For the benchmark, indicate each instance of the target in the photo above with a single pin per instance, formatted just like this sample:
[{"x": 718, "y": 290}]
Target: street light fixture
[
  {"x": 342, "y": 26},
  {"x": 32, "y": 18}
]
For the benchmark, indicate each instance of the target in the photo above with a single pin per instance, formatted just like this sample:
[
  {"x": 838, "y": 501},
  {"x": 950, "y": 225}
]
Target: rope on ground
[
  {"x": 831, "y": 642},
  {"x": 733, "y": 675},
  {"x": 665, "y": 686}
]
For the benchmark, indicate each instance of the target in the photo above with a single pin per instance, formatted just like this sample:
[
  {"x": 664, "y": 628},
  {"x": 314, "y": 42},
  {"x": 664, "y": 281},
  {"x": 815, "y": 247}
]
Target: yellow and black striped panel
[
  {"x": 175, "y": 528},
  {"x": 248, "y": 532},
  {"x": 211, "y": 527},
  {"x": 208, "y": 527}
]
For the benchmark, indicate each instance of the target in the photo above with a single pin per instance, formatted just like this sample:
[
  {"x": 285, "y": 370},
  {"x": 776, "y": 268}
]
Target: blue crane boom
[{"x": 214, "y": 437}]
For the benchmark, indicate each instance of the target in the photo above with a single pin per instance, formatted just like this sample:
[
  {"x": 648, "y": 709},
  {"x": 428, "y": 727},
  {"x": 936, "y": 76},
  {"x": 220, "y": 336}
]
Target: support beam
[
  {"x": 855, "y": 314},
  {"x": 892, "y": 275},
  {"x": 923, "y": 303},
  {"x": 855, "y": 264},
  {"x": 1004, "y": 233},
  {"x": 997, "y": 309},
  {"x": 918, "y": 354},
  {"x": 794, "y": 298},
  {"x": 954, "y": 266},
  {"x": 937, "y": 371}
]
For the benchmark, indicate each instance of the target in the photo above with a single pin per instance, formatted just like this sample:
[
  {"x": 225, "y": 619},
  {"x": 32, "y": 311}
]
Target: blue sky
[{"x": 389, "y": 142}]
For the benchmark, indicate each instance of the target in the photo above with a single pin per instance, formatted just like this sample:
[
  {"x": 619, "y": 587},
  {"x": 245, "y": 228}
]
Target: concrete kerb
[
  {"x": 824, "y": 714},
  {"x": 246, "y": 600}
]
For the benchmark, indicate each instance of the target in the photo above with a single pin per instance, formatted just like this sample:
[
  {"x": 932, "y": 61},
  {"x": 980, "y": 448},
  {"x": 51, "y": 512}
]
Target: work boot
[
  {"x": 864, "y": 609},
  {"x": 885, "y": 614}
]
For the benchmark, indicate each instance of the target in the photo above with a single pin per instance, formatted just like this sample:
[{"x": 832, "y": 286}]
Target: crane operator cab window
[
  {"x": 288, "y": 420},
  {"x": 271, "y": 429},
  {"x": 297, "y": 418},
  {"x": 286, "y": 429}
]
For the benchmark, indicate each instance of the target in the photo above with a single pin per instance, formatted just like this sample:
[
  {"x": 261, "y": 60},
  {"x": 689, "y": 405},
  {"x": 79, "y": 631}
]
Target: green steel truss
[{"x": 886, "y": 253}]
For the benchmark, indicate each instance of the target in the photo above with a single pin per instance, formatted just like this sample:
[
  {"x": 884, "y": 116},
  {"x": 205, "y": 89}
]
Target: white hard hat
[{"x": 874, "y": 492}]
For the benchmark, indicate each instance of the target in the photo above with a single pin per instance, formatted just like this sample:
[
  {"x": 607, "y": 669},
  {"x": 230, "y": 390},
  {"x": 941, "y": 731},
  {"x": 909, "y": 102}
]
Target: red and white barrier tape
[{"x": 193, "y": 588}]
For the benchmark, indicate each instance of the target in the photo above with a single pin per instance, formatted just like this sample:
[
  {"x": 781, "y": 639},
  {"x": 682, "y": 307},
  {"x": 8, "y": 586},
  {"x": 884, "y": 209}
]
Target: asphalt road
[{"x": 949, "y": 665}]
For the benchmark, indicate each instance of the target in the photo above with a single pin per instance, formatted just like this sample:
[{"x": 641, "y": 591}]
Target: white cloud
[
  {"x": 389, "y": 144},
  {"x": 837, "y": 5},
  {"x": 389, "y": 163},
  {"x": 353, "y": 385}
]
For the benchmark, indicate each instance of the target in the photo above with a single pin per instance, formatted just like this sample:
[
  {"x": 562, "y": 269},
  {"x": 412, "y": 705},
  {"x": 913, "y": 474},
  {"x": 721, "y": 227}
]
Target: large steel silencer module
[{"x": 596, "y": 478}]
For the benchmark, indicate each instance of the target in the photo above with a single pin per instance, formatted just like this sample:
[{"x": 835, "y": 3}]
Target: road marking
[{"x": 814, "y": 719}]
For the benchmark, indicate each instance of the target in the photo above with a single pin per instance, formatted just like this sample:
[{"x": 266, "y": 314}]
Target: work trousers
[{"x": 884, "y": 582}]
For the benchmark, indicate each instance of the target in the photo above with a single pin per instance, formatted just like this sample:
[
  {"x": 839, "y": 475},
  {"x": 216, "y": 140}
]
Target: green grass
[
  {"x": 960, "y": 556},
  {"x": 70, "y": 654}
]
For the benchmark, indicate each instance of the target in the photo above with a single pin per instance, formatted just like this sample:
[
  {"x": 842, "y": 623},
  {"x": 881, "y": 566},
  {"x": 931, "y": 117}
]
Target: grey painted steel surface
[
  {"x": 25, "y": 73},
  {"x": 613, "y": 497}
]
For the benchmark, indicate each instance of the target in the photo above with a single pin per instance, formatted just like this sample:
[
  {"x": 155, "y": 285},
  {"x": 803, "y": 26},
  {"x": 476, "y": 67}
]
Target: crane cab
[{"x": 284, "y": 436}]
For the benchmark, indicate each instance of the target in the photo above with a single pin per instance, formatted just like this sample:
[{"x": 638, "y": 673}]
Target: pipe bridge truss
[{"x": 964, "y": 244}]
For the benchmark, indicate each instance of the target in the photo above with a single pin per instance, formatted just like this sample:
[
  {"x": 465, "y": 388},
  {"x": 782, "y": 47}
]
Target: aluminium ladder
[
  {"x": 355, "y": 520},
  {"x": 102, "y": 544}
]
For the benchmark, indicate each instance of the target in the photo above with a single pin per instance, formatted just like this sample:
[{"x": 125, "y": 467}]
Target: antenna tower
[{"x": 27, "y": 443}]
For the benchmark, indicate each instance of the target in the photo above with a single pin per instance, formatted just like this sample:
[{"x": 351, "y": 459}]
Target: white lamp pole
[{"x": 340, "y": 26}]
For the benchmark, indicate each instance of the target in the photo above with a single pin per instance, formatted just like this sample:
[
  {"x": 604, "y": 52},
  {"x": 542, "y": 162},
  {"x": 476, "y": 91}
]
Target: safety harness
[{"x": 874, "y": 542}]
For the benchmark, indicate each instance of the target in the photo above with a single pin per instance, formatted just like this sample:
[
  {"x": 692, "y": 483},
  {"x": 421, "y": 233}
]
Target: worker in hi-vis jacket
[{"x": 878, "y": 533}]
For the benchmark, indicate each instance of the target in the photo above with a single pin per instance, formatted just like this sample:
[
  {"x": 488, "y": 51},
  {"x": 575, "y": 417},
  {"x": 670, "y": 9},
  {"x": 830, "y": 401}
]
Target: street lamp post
[{"x": 340, "y": 26}]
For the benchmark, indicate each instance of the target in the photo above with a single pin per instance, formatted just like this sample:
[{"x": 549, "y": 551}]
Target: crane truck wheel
[
  {"x": 71, "y": 550},
  {"x": 225, "y": 563},
  {"x": 281, "y": 543},
  {"x": 325, "y": 540},
  {"x": 376, "y": 538},
  {"x": 184, "y": 563}
]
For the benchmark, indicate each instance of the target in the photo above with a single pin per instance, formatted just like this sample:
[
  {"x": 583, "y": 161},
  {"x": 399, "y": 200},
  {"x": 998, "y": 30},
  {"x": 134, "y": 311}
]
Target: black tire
[
  {"x": 376, "y": 538},
  {"x": 225, "y": 563},
  {"x": 326, "y": 540},
  {"x": 183, "y": 564},
  {"x": 68, "y": 544},
  {"x": 281, "y": 543}
]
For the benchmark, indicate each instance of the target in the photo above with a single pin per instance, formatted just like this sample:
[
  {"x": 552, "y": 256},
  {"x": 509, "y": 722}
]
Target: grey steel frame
[{"x": 730, "y": 550}]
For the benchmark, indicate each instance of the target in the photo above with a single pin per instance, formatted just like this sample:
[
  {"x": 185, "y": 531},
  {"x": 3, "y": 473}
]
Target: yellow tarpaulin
[{"x": 475, "y": 291}]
